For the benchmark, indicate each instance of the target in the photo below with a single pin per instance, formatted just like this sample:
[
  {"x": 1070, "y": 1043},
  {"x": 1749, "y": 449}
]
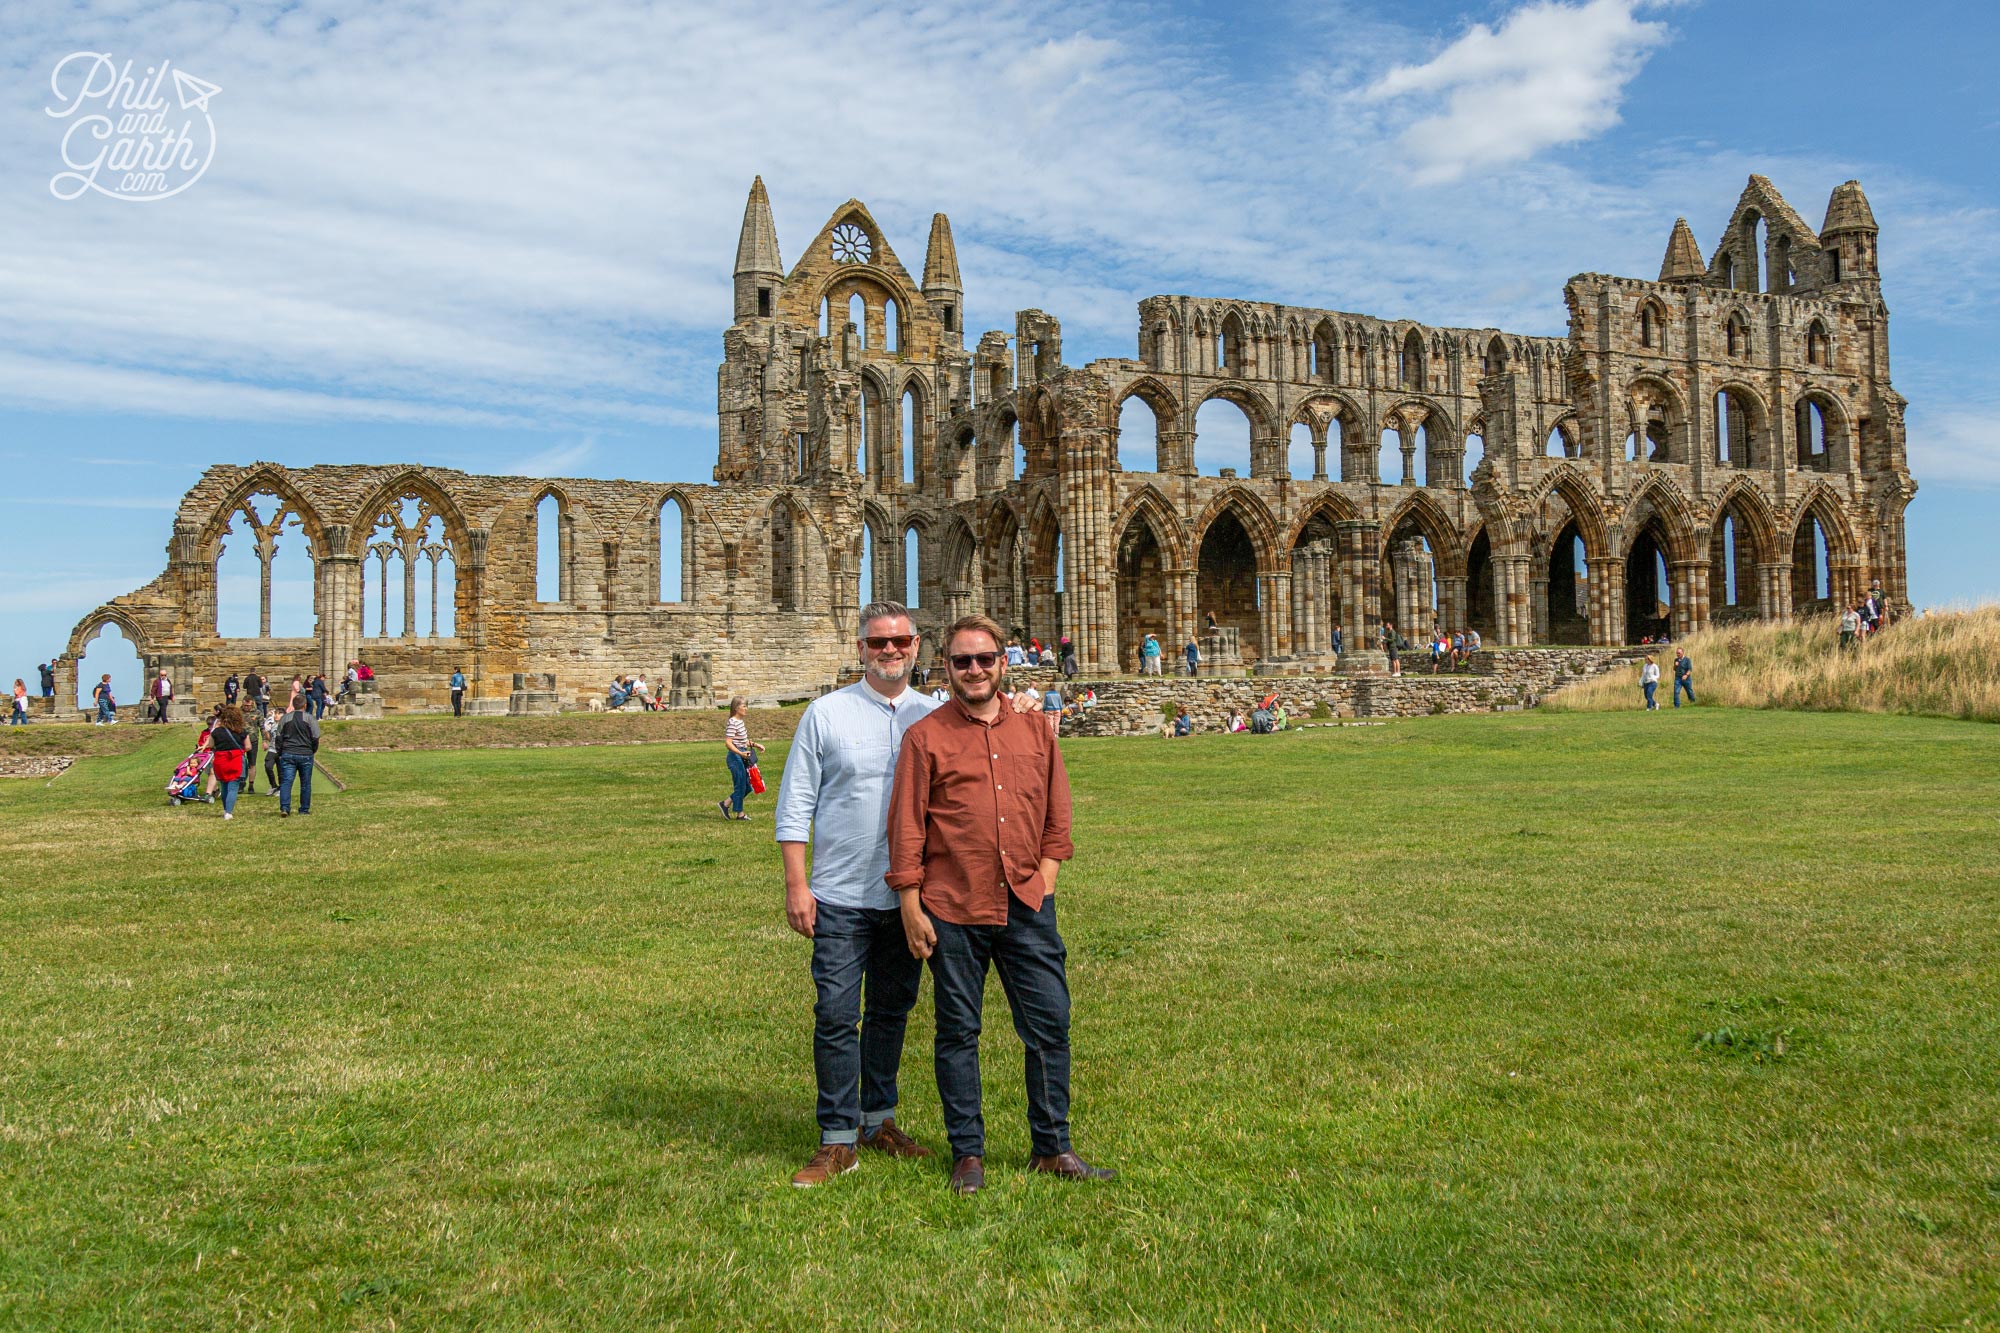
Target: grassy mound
[{"x": 1945, "y": 664}]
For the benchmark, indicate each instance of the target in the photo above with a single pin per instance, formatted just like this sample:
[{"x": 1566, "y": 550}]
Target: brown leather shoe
[
  {"x": 968, "y": 1175},
  {"x": 1071, "y": 1167},
  {"x": 888, "y": 1139},
  {"x": 832, "y": 1159}
]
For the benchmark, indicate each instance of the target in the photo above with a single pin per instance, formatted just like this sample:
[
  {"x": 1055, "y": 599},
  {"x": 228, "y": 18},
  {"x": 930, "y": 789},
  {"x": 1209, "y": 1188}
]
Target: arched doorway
[
  {"x": 108, "y": 649},
  {"x": 1226, "y": 583},
  {"x": 1649, "y": 588},
  {"x": 1143, "y": 602},
  {"x": 1480, "y": 602},
  {"x": 1568, "y": 587}
]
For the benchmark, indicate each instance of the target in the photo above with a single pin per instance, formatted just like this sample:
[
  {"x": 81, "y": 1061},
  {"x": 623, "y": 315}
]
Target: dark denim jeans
[
  {"x": 300, "y": 766},
  {"x": 856, "y": 1054},
  {"x": 739, "y": 779},
  {"x": 1683, "y": 683},
  {"x": 1028, "y": 954}
]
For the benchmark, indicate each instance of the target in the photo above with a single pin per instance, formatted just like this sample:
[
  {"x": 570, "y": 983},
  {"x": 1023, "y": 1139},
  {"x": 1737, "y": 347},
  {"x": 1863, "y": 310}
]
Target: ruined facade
[{"x": 1720, "y": 443}]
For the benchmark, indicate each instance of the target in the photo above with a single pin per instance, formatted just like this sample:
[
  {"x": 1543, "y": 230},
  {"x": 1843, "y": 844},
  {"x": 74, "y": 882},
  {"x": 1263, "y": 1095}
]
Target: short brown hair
[
  {"x": 232, "y": 718},
  {"x": 975, "y": 623}
]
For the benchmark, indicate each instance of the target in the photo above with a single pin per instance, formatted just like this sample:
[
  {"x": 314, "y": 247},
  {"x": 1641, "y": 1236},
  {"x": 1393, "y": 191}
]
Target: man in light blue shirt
[{"x": 835, "y": 795}]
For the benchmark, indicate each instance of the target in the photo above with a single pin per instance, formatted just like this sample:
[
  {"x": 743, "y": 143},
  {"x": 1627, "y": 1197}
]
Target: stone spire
[
  {"x": 1683, "y": 262},
  {"x": 1848, "y": 210},
  {"x": 759, "y": 271},
  {"x": 942, "y": 287}
]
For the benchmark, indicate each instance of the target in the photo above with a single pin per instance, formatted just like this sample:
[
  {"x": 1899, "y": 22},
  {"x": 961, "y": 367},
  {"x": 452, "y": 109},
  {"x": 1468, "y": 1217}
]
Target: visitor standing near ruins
[
  {"x": 1052, "y": 709},
  {"x": 458, "y": 691},
  {"x": 741, "y": 756},
  {"x": 1336, "y": 640},
  {"x": 107, "y": 707},
  {"x": 296, "y": 743},
  {"x": 48, "y": 681},
  {"x": 979, "y": 825},
  {"x": 163, "y": 696},
  {"x": 253, "y": 687},
  {"x": 230, "y": 687},
  {"x": 835, "y": 796},
  {"x": 1850, "y": 626},
  {"x": 1149, "y": 657},
  {"x": 1192, "y": 651},
  {"x": 1683, "y": 676},
  {"x": 228, "y": 739},
  {"x": 19, "y": 716},
  {"x": 1649, "y": 682}
]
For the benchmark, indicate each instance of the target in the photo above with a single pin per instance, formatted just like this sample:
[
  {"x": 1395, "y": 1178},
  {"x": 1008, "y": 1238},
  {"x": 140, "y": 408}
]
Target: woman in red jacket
[{"x": 230, "y": 737}]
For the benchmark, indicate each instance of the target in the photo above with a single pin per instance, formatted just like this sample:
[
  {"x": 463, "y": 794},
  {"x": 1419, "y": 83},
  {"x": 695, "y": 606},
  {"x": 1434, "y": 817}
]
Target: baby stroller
[{"x": 185, "y": 785}]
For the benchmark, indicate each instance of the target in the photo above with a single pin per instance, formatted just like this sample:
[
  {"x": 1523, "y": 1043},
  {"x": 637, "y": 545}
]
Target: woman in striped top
[{"x": 742, "y": 754}]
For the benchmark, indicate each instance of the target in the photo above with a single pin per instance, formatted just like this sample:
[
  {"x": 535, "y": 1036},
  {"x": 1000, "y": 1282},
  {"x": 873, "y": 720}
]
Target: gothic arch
[
  {"x": 1152, "y": 508},
  {"x": 1658, "y": 497},
  {"x": 1823, "y": 502},
  {"x": 1569, "y": 484},
  {"x": 1423, "y": 510},
  {"x": 1251, "y": 512},
  {"x": 1155, "y": 395},
  {"x": 409, "y": 482},
  {"x": 1330, "y": 505},
  {"x": 264, "y": 478},
  {"x": 95, "y": 623},
  {"x": 1262, "y": 417},
  {"x": 1323, "y": 405},
  {"x": 1743, "y": 499}
]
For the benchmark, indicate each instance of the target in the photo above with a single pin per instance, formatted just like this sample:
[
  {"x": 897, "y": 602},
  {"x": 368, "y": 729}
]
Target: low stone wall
[{"x": 1502, "y": 680}]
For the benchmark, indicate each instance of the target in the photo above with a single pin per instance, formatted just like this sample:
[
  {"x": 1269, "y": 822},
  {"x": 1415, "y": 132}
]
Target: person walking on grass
[
  {"x": 1850, "y": 626},
  {"x": 1649, "y": 682},
  {"x": 835, "y": 796},
  {"x": 742, "y": 754},
  {"x": 974, "y": 860},
  {"x": 229, "y": 738},
  {"x": 1683, "y": 677},
  {"x": 458, "y": 691},
  {"x": 19, "y": 716},
  {"x": 296, "y": 743}
]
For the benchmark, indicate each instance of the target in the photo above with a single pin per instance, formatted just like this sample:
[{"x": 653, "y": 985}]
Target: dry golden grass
[{"x": 1944, "y": 664}]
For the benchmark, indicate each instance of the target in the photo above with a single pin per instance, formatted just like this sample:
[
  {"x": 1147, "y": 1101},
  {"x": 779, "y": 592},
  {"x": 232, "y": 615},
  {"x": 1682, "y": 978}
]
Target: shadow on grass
[{"x": 741, "y": 1122}]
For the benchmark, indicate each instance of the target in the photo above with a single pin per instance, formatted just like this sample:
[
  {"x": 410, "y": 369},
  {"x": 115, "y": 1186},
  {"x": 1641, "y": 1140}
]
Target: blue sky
[{"x": 500, "y": 240}]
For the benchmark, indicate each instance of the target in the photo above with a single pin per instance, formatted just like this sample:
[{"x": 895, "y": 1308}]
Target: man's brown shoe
[
  {"x": 1071, "y": 1167},
  {"x": 968, "y": 1176},
  {"x": 832, "y": 1159},
  {"x": 888, "y": 1139}
]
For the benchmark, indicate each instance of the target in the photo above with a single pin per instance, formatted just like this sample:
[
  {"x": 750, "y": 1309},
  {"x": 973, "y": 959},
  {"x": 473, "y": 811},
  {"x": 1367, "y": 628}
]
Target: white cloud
[
  {"x": 1550, "y": 74},
  {"x": 560, "y": 460},
  {"x": 1957, "y": 444}
]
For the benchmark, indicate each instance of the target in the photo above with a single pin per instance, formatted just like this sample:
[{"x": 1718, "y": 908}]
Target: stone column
[
  {"x": 1177, "y": 452},
  {"x": 267, "y": 547},
  {"x": 411, "y": 544},
  {"x": 1319, "y": 452},
  {"x": 1774, "y": 590},
  {"x": 1275, "y": 618},
  {"x": 1681, "y": 574},
  {"x": 338, "y": 598},
  {"x": 1267, "y": 456},
  {"x": 1360, "y": 587},
  {"x": 1513, "y": 603},
  {"x": 1408, "y": 438},
  {"x": 1451, "y": 592},
  {"x": 1607, "y": 603}
]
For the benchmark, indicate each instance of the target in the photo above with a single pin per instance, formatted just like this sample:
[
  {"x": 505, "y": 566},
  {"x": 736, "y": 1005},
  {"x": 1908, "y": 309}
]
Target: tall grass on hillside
[{"x": 1945, "y": 664}]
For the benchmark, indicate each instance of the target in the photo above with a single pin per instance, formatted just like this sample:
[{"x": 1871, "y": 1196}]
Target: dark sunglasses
[
  {"x": 897, "y": 641},
  {"x": 966, "y": 661}
]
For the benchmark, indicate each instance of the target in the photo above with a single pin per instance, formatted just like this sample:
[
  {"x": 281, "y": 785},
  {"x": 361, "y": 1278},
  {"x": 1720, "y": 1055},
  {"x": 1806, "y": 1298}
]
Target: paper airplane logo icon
[{"x": 194, "y": 93}]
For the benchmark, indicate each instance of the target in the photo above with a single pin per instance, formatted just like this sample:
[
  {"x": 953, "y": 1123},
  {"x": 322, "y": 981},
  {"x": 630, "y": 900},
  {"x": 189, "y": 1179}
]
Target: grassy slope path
[{"x": 1385, "y": 1027}]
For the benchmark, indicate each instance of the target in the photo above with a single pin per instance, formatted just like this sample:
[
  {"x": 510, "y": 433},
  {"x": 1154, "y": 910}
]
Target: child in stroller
[{"x": 185, "y": 785}]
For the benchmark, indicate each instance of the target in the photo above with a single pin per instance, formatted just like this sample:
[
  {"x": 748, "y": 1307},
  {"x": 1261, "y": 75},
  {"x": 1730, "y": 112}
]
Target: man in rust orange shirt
[{"x": 978, "y": 828}]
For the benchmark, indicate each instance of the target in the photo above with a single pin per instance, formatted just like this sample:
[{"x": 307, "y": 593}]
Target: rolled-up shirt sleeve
[
  {"x": 798, "y": 791},
  {"x": 1056, "y": 844},
  {"x": 909, "y": 811}
]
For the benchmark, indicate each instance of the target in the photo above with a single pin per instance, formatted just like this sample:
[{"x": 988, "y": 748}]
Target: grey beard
[{"x": 879, "y": 671}]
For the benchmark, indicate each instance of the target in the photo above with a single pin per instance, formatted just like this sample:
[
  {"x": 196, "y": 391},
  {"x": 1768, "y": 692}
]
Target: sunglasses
[
  {"x": 899, "y": 642},
  {"x": 966, "y": 661}
]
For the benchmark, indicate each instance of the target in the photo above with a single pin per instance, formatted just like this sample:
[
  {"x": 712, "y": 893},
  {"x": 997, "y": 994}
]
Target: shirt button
[
  {"x": 996, "y": 756},
  {"x": 1003, "y": 819}
]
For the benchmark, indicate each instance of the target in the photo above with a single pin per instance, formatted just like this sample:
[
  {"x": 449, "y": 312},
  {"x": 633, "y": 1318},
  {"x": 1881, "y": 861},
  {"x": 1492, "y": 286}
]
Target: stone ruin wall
[{"x": 1611, "y": 440}]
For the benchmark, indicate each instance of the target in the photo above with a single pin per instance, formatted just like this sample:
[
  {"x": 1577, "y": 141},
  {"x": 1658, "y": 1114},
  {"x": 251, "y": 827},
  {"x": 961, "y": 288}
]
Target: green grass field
[{"x": 1391, "y": 1027}]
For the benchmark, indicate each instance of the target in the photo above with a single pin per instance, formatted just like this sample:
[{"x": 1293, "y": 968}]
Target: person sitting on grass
[
  {"x": 1237, "y": 722},
  {"x": 1278, "y": 720}
]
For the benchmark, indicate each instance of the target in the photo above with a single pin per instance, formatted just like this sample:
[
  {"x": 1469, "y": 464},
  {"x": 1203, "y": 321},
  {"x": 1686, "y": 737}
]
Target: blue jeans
[
  {"x": 105, "y": 712},
  {"x": 1650, "y": 686},
  {"x": 1028, "y": 954},
  {"x": 739, "y": 777},
  {"x": 301, "y": 767},
  {"x": 231, "y": 789},
  {"x": 1680, "y": 684},
  {"x": 856, "y": 1054},
  {"x": 19, "y": 717}
]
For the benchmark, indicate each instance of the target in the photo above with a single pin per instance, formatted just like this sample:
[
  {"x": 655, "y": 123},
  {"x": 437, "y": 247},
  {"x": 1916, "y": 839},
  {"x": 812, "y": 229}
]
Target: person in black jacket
[{"x": 296, "y": 741}]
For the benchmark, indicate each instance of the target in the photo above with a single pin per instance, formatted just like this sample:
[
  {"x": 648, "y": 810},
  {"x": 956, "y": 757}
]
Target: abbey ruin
[{"x": 1720, "y": 443}]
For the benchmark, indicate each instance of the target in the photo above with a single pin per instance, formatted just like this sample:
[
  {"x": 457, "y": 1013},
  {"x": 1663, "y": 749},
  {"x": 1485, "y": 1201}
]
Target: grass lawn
[{"x": 1383, "y": 1027}]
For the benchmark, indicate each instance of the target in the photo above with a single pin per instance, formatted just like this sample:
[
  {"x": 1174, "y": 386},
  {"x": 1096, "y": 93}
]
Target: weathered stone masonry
[{"x": 1721, "y": 443}]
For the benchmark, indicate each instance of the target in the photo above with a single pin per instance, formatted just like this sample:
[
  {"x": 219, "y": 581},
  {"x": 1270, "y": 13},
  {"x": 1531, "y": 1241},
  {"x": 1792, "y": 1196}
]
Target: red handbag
[{"x": 756, "y": 780}]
